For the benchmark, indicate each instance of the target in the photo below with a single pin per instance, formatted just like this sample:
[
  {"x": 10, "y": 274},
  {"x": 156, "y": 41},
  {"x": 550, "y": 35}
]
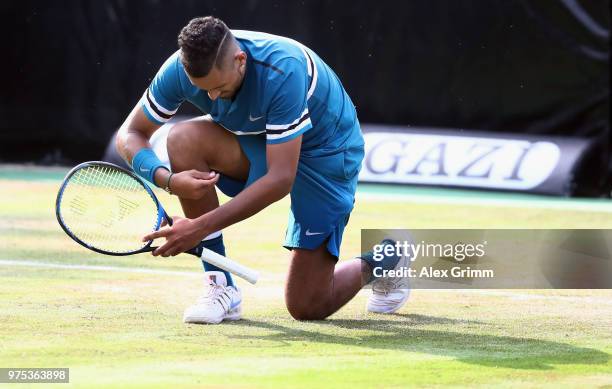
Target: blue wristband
[{"x": 145, "y": 163}]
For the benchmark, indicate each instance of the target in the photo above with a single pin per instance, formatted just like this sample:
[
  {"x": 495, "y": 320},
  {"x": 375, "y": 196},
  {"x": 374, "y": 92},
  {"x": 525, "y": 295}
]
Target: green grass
[{"x": 120, "y": 328}]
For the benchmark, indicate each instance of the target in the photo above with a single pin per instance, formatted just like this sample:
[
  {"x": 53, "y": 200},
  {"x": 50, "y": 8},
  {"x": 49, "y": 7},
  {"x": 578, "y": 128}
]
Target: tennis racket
[{"x": 108, "y": 209}]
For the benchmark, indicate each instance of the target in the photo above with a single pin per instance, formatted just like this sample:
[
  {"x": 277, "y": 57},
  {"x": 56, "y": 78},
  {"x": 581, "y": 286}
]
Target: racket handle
[{"x": 226, "y": 264}]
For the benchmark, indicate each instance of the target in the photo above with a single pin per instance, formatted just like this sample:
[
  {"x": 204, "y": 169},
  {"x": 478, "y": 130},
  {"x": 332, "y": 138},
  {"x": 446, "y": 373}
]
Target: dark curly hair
[{"x": 199, "y": 41}]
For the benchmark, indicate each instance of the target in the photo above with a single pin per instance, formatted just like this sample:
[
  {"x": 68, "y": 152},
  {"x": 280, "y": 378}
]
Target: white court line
[
  {"x": 120, "y": 269},
  {"x": 500, "y": 293},
  {"x": 530, "y": 296},
  {"x": 50, "y": 265}
]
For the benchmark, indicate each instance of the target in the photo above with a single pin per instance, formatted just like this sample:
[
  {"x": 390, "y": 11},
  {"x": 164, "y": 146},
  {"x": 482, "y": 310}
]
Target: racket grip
[{"x": 227, "y": 264}]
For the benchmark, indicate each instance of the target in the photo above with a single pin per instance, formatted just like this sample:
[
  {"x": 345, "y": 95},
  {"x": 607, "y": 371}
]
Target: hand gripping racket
[{"x": 109, "y": 209}]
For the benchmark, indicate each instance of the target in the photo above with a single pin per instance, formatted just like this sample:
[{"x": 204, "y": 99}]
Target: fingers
[
  {"x": 181, "y": 236},
  {"x": 204, "y": 185},
  {"x": 199, "y": 175},
  {"x": 194, "y": 184},
  {"x": 204, "y": 175},
  {"x": 166, "y": 250},
  {"x": 156, "y": 234},
  {"x": 211, "y": 181}
]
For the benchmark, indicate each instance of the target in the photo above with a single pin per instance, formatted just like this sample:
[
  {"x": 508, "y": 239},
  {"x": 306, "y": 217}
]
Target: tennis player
[{"x": 276, "y": 121}]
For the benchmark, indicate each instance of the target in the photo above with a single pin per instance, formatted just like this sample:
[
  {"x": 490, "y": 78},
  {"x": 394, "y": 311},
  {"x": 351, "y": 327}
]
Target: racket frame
[
  {"x": 199, "y": 251},
  {"x": 161, "y": 213}
]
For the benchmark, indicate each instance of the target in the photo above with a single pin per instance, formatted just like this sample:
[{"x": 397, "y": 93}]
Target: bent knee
[
  {"x": 306, "y": 309},
  {"x": 202, "y": 144},
  {"x": 305, "y": 314},
  {"x": 189, "y": 145},
  {"x": 182, "y": 136}
]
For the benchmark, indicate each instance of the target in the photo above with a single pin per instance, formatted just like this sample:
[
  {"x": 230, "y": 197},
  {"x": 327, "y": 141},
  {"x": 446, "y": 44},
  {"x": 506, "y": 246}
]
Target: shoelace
[
  {"x": 212, "y": 292},
  {"x": 384, "y": 285},
  {"x": 218, "y": 293}
]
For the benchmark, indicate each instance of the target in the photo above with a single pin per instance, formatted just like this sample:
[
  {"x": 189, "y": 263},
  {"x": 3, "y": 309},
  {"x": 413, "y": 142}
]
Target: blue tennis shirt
[{"x": 287, "y": 91}]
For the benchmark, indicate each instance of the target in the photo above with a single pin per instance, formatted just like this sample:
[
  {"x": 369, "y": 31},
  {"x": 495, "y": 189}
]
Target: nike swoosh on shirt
[
  {"x": 251, "y": 118},
  {"x": 308, "y": 233}
]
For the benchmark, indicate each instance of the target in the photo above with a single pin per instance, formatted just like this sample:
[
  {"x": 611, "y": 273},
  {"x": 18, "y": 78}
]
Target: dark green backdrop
[{"x": 73, "y": 69}]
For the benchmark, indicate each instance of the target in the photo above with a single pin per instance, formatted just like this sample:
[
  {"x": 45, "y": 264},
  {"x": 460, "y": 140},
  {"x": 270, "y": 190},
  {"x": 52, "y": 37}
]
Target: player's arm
[
  {"x": 134, "y": 147},
  {"x": 274, "y": 185},
  {"x": 288, "y": 118},
  {"x": 134, "y": 135}
]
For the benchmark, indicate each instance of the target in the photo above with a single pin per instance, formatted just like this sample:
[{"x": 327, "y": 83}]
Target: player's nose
[{"x": 213, "y": 95}]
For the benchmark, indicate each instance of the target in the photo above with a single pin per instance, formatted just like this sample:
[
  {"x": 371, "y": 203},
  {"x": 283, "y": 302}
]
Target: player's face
[{"x": 223, "y": 82}]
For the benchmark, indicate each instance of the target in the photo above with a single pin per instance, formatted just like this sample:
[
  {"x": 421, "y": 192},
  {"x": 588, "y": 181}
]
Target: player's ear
[{"x": 241, "y": 57}]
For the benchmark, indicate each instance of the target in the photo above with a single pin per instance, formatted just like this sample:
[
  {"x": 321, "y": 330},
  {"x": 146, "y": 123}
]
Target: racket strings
[
  {"x": 108, "y": 209},
  {"x": 88, "y": 180}
]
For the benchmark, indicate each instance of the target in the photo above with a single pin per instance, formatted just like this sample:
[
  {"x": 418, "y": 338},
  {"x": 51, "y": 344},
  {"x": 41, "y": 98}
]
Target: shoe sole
[{"x": 233, "y": 315}]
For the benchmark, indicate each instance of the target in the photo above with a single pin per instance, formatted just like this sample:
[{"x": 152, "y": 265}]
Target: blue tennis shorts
[{"x": 322, "y": 196}]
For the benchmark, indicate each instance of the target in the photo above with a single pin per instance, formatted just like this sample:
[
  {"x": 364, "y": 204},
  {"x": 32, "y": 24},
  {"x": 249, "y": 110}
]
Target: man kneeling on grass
[{"x": 276, "y": 121}]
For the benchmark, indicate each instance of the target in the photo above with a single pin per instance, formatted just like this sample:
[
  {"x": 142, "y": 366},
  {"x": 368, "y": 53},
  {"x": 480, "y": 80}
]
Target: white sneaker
[
  {"x": 390, "y": 293},
  {"x": 218, "y": 302},
  {"x": 386, "y": 298}
]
